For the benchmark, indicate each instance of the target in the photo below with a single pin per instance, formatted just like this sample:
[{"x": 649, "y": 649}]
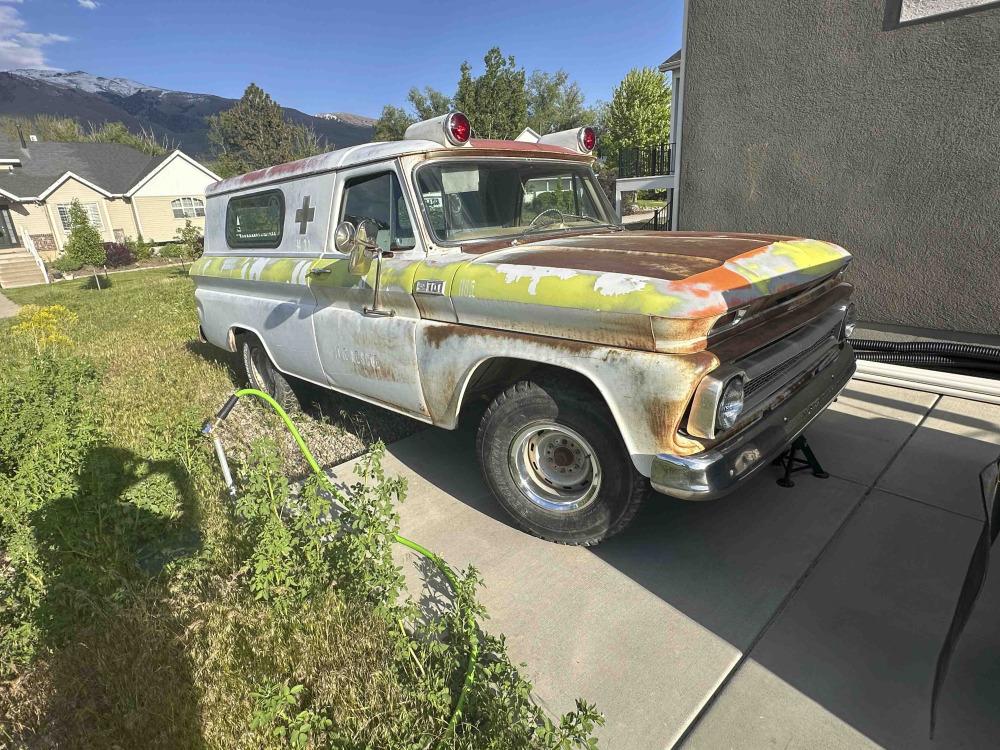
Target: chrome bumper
[{"x": 719, "y": 470}]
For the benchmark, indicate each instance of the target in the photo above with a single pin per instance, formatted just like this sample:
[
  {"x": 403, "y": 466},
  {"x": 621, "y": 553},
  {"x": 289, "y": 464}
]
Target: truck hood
[
  {"x": 668, "y": 274},
  {"x": 555, "y": 285}
]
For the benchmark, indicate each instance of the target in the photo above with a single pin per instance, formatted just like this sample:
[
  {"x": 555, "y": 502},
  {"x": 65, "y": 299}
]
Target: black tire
[
  {"x": 264, "y": 376},
  {"x": 528, "y": 414}
]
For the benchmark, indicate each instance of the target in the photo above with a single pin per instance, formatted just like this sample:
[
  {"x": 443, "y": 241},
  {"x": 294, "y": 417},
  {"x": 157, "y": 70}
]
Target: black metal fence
[
  {"x": 646, "y": 161},
  {"x": 659, "y": 223}
]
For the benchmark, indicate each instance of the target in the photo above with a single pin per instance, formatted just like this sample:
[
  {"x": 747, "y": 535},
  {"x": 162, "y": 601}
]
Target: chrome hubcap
[{"x": 554, "y": 466}]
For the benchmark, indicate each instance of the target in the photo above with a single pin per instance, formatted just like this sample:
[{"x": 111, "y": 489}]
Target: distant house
[{"x": 124, "y": 191}]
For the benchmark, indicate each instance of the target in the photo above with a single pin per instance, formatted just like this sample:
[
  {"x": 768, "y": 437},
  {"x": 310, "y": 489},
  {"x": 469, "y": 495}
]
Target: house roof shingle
[
  {"x": 671, "y": 63},
  {"x": 111, "y": 166}
]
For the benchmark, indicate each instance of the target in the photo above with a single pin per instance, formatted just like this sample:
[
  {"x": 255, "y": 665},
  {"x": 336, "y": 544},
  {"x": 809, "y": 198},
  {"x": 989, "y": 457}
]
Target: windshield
[{"x": 474, "y": 200}]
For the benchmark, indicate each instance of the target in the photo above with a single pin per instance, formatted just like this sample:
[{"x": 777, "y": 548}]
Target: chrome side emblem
[{"x": 428, "y": 286}]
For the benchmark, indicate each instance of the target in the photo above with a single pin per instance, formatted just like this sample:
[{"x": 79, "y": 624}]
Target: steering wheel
[{"x": 556, "y": 211}]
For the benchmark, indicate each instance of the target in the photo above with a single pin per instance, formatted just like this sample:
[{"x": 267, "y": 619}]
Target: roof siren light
[
  {"x": 582, "y": 139},
  {"x": 452, "y": 129}
]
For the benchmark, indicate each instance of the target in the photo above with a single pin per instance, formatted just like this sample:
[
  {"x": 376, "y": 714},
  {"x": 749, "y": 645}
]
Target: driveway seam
[
  {"x": 901, "y": 496},
  {"x": 800, "y": 582}
]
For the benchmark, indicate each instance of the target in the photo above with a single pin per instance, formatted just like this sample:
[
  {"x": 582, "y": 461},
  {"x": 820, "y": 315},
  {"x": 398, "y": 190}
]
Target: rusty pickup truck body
[{"x": 424, "y": 274}]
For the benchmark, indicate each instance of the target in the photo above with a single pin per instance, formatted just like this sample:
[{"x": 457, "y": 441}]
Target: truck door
[{"x": 371, "y": 356}]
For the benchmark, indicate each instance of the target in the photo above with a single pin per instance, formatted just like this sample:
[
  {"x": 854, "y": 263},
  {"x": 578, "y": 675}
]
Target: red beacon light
[
  {"x": 583, "y": 140},
  {"x": 452, "y": 129},
  {"x": 457, "y": 128}
]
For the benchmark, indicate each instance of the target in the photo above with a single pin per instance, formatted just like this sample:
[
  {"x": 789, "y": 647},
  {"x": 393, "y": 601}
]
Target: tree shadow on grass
[{"x": 118, "y": 674}]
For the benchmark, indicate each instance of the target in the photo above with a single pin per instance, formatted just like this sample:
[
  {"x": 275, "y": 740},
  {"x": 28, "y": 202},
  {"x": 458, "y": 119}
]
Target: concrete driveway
[{"x": 807, "y": 617}]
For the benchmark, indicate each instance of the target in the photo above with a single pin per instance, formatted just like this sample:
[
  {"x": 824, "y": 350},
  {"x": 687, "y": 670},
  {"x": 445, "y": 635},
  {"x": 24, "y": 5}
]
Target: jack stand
[{"x": 792, "y": 463}]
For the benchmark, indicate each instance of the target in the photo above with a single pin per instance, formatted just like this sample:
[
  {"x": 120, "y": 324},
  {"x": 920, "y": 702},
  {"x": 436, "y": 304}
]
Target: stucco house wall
[{"x": 831, "y": 120}]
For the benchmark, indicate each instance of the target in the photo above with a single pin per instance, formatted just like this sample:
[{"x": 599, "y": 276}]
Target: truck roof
[{"x": 366, "y": 153}]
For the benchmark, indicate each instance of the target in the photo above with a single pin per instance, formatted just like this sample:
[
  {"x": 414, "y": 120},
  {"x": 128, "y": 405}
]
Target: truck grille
[{"x": 769, "y": 377}]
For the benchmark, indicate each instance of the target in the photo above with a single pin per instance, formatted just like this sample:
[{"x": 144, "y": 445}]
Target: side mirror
[{"x": 359, "y": 243}]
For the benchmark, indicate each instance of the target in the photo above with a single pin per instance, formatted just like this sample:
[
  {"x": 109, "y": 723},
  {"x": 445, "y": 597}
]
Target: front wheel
[
  {"x": 554, "y": 459},
  {"x": 264, "y": 376}
]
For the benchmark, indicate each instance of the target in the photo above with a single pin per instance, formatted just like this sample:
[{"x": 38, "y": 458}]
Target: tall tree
[
  {"x": 429, "y": 102},
  {"x": 392, "y": 123},
  {"x": 255, "y": 134},
  {"x": 555, "y": 103},
  {"x": 496, "y": 102},
  {"x": 638, "y": 114}
]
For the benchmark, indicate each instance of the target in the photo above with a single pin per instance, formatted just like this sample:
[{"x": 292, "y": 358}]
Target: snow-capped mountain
[
  {"x": 82, "y": 81},
  {"x": 179, "y": 117}
]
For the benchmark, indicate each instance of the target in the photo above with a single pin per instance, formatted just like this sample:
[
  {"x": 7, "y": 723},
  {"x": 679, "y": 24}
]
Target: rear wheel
[
  {"x": 264, "y": 376},
  {"x": 554, "y": 459}
]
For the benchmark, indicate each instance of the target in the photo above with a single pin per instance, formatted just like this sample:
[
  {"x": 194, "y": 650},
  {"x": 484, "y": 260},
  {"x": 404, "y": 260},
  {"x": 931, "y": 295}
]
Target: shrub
[
  {"x": 171, "y": 250},
  {"x": 46, "y": 429},
  {"x": 191, "y": 241},
  {"x": 118, "y": 254},
  {"x": 45, "y": 326},
  {"x": 84, "y": 242},
  {"x": 141, "y": 250},
  {"x": 67, "y": 264}
]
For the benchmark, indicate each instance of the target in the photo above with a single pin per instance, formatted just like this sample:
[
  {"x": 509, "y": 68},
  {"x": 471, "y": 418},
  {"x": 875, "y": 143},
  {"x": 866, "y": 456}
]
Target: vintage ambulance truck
[{"x": 432, "y": 273}]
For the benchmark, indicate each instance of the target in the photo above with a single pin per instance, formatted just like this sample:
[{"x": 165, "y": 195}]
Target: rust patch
[
  {"x": 437, "y": 335},
  {"x": 664, "y": 416}
]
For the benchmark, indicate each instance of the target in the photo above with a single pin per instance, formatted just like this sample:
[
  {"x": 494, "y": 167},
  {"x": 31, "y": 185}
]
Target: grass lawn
[{"x": 140, "y": 606}]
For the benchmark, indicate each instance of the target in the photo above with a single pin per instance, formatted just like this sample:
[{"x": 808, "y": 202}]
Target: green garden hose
[{"x": 449, "y": 574}]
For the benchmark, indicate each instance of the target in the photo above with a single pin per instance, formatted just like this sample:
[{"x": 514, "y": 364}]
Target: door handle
[{"x": 318, "y": 271}]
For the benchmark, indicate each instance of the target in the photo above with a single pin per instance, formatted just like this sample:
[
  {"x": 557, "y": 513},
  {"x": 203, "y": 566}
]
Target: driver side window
[{"x": 379, "y": 197}]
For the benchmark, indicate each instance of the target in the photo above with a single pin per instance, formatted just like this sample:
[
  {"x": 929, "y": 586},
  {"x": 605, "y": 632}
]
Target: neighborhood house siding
[
  {"x": 30, "y": 219},
  {"x": 177, "y": 178},
  {"x": 157, "y": 218},
  {"x": 120, "y": 213},
  {"x": 65, "y": 194}
]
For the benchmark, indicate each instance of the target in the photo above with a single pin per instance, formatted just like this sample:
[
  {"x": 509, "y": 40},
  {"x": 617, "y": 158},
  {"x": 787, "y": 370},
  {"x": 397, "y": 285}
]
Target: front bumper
[{"x": 722, "y": 468}]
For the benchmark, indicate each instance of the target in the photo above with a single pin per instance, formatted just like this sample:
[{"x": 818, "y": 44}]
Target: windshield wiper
[{"x": 548, "y": 227}]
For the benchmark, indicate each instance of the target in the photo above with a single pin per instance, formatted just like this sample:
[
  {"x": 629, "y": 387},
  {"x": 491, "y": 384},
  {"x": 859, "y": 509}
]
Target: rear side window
[{"x": 255, "y": 221}]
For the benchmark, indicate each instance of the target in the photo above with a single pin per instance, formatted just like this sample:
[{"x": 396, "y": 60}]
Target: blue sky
[{"x": 334, "y": 56}]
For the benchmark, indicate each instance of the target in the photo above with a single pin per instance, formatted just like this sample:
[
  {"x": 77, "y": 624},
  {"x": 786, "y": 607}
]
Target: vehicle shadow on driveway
[{"x": 840, "y": 590}]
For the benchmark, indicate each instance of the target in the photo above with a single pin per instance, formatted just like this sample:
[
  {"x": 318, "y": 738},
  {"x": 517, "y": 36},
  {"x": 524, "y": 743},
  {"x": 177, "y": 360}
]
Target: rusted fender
[{"x": 647, "y": 392}]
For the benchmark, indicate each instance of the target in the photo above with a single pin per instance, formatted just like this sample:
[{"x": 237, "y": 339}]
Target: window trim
[
  {"x": 256, "y": 245},
  {"x": 894, "y": 11},
  {"x": 99, "y": 226}
]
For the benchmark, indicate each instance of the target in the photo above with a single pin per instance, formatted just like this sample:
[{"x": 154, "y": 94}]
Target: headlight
[
  {"x": 850, "y": 320},
  {"x": 730, "y": 404}
]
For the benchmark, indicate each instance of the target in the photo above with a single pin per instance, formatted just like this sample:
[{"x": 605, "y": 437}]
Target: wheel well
[
  {"x": 234, "y": 336},
  {"x": 493, "y": 375}
]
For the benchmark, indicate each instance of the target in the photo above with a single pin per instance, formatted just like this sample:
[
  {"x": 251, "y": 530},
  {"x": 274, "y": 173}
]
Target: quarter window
[
  {"x": 380, "y": 198},
  {"x": 255, "y": 220},
  {"x": 188, "y": 208},
  {"x": 93, "y": 215}
]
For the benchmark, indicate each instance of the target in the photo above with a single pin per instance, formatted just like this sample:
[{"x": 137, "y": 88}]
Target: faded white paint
[
  {"x": 513, "y": 274},
  {"x": 614, "y": 284}
]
